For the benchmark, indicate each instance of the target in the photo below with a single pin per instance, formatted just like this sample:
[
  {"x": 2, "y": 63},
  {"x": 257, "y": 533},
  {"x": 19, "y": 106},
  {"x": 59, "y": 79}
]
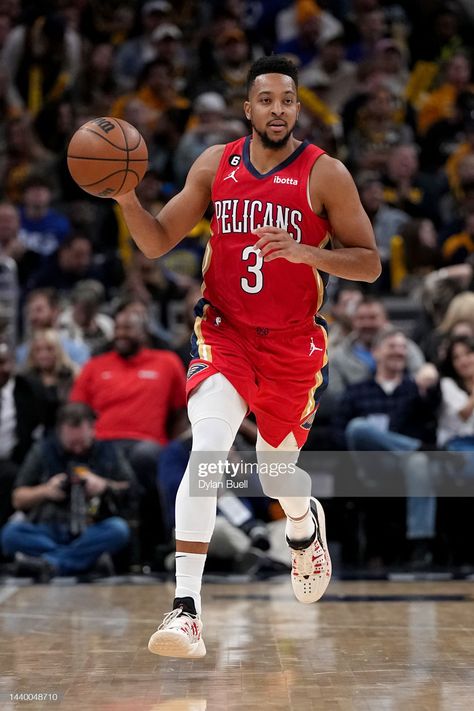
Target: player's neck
[{"x": 265, "y": 159}]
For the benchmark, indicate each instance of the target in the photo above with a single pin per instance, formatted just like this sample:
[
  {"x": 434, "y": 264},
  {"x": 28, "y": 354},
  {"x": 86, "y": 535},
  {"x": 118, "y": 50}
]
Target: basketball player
[{"x": 258, "y": 342}]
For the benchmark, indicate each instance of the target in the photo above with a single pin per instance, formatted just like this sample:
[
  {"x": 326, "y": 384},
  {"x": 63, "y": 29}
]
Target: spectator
[
  {"x": 391, "y": 56},
  {"x": 344, "y": 302},
  {"x": 152, "y": 381},
  {"x": 457, "y": 247},
  {"x": 379, "y": 127},
  {"x": 43, "y": 229},
  {"x": 156, "y": 92},
  {"x": 207, "y": 121},
  {"x": 9, "y": 285},
  {"x": 71, "y": 486},
  {"x": 54, "y": 126},
  {"x": 70, "y": 264},
  {"x": 302, "y": 28},
  {"x": 405, "y": 188},
  {"x": 5, "y": 28},
  {"x": 132, "y": 55},
  {"x": 288, "y": 19},
  {"x": 43, "y": 60},
  {"x": 447, "y": 140},
  {"x": 353, "y": 361},
  {"x": 155, "y": 337},
  {"x": 152, "y": 384},
  {"x": 371, "y": 30},
  {"x": 82, "y": 320},
  {"x": 48, "y": 365},
  {"x": 21, "y": 416},
  {"x": 42, "y": 312},
  {"x": 464, "y": 147},
  {"x": 393, "y": 412},
  {"x": 96, "y": 85},
  {"x": 330, "y": 75},
  {"x": 456, "y": 417},
  {"x": 10, "y": 243},
  {"x": 161, "y": 290},
  {"x": 386, "y": 221},
  {"x": 441, "y": 102},
  {"x": 22, "y": 158},
  {"x": 414, "y": 254},
  {"x": 167, "y": 39},
  {"x": 227, "y": 74}
]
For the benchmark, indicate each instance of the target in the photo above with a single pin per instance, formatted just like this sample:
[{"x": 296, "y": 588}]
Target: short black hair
[
  {"x": 74, "y": 414},
  {"x": 274, "y": 64}
]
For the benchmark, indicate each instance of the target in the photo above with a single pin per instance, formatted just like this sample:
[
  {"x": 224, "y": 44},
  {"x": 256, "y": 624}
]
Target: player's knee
[{"x": 212, "y": 435}]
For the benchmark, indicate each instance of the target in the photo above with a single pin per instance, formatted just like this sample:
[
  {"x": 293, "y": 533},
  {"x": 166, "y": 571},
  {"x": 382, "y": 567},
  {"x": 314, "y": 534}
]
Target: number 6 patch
[{"x": 234, "y": 159}]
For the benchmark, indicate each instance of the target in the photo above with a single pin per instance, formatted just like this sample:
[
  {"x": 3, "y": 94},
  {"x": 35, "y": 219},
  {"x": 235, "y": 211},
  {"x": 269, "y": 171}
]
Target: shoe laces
[
  {"x": 303, "y": 561},
  {"x": 171, "y": 618},
  {"x": 310, "y": 560}
]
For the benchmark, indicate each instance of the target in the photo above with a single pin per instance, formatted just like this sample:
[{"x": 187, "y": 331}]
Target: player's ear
[
  {"x": 247, "y": 110},
  {"x": 298, "y": 107}
]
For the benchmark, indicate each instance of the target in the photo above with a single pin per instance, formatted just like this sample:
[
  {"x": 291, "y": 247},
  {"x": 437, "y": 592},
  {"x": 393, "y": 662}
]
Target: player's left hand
[{"x": 274, "y": 243}]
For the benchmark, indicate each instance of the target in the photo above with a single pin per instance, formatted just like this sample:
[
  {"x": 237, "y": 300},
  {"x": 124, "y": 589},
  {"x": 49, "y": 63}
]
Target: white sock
[
  {"x": 301, "y": 529},
  {"x": 189, "y": 570}
]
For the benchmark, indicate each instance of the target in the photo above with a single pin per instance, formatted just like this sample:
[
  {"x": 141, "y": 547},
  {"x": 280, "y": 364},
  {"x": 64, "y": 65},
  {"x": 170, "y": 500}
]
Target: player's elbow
[
  {"x": 151, "y": 252},
  {"x": 373, "y": 267}
]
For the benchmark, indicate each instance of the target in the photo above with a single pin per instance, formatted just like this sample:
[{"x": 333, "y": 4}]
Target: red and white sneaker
[
  {"x": 179, "y": 635},
  {"x": 311, "y": 564}
]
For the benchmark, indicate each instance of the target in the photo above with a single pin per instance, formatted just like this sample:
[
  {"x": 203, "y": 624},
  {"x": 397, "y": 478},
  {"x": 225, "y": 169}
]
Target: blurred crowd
[{"x": 94, "y": 337}]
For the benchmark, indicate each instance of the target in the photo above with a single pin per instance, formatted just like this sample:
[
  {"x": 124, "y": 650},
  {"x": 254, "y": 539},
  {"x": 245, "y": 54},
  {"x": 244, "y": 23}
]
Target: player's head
[{"x": 272, "y": 105}]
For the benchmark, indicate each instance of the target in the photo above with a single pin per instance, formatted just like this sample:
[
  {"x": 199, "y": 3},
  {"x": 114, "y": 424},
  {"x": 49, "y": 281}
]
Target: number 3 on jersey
[{"x": 256, "y": 284}]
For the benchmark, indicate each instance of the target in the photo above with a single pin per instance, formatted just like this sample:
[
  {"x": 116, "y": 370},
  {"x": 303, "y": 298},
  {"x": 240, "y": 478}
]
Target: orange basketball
[{"x": 107, "y": 157}]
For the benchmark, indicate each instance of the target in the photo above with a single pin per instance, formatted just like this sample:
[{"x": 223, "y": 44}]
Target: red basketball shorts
[{"x": 279, "y": 373}]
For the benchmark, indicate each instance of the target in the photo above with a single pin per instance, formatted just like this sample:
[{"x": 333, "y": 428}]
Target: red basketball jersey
[{"x": 237, "y": 280}]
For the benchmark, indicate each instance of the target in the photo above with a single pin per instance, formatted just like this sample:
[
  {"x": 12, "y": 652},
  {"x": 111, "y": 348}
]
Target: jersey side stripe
[
  {"x": 321, "y": 378},
  {"x": 204, "y": 350}
]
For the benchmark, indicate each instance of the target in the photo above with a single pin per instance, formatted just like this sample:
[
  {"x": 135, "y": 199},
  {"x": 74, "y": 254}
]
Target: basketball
[{"x": 107, "y": 157}]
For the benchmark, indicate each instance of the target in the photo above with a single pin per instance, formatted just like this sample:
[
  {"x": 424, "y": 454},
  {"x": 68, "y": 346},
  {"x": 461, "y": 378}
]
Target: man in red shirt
[{"x": 139, "y": 397}]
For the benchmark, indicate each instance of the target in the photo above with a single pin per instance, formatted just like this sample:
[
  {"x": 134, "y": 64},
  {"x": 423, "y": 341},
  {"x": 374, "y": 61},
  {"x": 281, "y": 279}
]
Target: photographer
[{"x": 72, "y": 487}]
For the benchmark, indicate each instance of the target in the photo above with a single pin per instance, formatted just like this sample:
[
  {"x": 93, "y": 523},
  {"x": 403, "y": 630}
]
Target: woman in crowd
[
  {"x": 456, "y": 416},
  {"x": 48, "y": 365}
]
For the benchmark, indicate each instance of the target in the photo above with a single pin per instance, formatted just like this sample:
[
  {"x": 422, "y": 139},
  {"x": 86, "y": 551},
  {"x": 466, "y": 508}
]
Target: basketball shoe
[
  {"x": 311, "y": 564},
  {"x": 179, "y": 635}
]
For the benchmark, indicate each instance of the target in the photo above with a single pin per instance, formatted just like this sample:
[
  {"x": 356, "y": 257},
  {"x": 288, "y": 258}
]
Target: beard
[
  {"x": 126, "y": 347},
  {"x": 273, "y": 145}
]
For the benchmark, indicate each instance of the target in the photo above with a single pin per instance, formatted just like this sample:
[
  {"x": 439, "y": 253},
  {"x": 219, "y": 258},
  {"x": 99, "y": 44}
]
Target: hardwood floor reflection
[{"x": 380, "y": 646}]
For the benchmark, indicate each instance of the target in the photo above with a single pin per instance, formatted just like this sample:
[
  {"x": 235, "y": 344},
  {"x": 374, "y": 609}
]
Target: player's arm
[
  {"x": 157, "y": 235},
  {"x": 355, "y": 256}
]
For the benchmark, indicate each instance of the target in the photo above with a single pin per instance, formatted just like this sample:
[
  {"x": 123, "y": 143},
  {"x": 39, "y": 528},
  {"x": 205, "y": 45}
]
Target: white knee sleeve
[
  {"x": 216, "y": 411},
  {"x": 216, "y": 397}
]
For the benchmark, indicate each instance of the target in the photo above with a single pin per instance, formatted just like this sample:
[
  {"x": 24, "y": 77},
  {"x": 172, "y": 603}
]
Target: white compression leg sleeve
[{"x": 216, "y": 411}]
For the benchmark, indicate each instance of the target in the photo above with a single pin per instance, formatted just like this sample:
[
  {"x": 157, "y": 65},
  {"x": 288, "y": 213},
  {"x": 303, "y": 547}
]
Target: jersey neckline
[{"x": 251, "y": 168}]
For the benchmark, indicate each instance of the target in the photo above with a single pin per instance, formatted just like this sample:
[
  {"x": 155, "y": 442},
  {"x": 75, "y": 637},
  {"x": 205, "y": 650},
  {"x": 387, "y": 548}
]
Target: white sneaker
[
  {"x": 311, "y": 563},
  {"x": 179, "y": 635}
]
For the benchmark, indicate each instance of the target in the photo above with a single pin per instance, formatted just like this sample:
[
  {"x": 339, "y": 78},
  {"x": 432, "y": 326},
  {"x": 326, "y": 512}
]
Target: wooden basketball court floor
[{"x": 378, "y": 646}]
